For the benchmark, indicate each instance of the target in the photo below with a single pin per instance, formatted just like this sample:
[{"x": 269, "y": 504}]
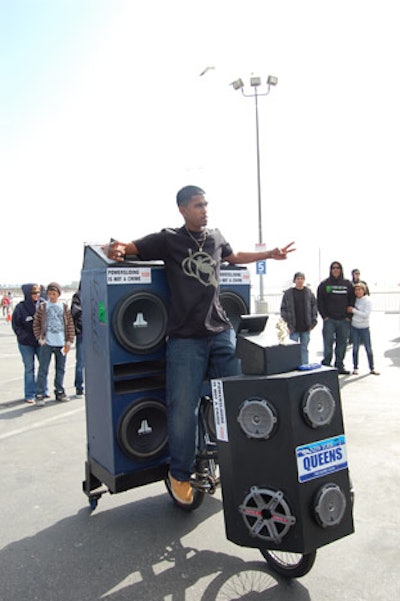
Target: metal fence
[{"x": 386, "y": 301}]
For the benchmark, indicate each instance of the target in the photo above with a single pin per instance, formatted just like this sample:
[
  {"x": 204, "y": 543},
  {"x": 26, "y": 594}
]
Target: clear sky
[{"x": 104, "y": 116}]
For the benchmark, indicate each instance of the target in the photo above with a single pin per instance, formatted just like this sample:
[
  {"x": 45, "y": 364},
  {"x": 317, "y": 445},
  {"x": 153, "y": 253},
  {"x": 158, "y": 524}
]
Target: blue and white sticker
[
  {"x": 320, "y": 458},
  {"x": 128, "y": 275},
  {"x": 234, "y": 276},
  {"x": 221, "y": 427}
]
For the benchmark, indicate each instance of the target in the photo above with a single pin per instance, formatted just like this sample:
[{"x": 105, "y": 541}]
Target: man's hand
[
  {"x": 281, "y": 253},
  {"x": 115, "y": 250}
]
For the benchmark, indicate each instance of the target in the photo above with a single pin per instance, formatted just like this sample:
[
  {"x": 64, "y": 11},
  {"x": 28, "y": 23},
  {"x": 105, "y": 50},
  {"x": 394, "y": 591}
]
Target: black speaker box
[
  {"x": 282, "y": 456},
  {"x": 259, "y": 357}
]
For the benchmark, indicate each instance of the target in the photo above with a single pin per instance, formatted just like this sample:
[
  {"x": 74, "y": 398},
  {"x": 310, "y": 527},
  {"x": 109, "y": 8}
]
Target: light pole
[{"x": 255, "y": 83}]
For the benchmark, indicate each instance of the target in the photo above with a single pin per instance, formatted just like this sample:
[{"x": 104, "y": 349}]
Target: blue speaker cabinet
[
  {"x": 124, "y": 314},
  {"x": 125, "y": 311},
  {"x": 235, "y": 292}
]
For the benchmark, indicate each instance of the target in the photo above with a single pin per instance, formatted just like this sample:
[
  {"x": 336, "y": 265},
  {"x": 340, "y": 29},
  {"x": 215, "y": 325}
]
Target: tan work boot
[{"x": 181, "y": 491}]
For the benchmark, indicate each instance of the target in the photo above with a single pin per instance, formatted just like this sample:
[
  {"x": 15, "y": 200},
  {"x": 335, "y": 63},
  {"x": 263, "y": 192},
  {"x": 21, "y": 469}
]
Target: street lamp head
[
  {"x": 255, "y": 81},
  {"x": 272, "y": 80},
  {"x": 237, "y": 84}
]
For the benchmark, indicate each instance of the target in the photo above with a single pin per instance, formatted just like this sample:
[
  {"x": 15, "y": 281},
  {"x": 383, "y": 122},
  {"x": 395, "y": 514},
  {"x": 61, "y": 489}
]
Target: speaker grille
[
  {"x": 142, "y": 433},
  {"x": 330, "y": 505},
  {"x": 257, "y": 418},
  {"x": 140, "y": 322},
  {"x": 318, "y": 406},
  {"x": 267, "y": 514}
]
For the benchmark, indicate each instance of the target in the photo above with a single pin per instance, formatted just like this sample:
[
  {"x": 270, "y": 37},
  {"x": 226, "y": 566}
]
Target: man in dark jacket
[
  {"x": 22, "y": 324},
  {"x": 299, "y": 311},
  {"x": 334, "y": 295}
]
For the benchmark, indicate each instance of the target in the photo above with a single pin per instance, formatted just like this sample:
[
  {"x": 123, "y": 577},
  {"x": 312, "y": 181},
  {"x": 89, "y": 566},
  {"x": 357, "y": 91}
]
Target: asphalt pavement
[{"x": 138, "y": 546}]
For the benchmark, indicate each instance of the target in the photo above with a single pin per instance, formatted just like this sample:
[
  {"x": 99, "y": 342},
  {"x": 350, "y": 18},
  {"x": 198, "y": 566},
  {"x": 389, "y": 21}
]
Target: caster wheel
[{"x": 93, "y": 503}]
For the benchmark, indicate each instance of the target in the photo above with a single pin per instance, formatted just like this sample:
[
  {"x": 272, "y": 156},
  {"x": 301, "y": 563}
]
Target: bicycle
[{"x": 206, "y": 479}]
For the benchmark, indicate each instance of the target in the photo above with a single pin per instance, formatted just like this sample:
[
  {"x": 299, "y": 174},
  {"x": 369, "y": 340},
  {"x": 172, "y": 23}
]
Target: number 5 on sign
[{"x": 261, "y": 267}]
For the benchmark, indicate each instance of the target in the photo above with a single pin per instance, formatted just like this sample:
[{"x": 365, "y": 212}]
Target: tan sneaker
[{"x": 181, "y": 491}]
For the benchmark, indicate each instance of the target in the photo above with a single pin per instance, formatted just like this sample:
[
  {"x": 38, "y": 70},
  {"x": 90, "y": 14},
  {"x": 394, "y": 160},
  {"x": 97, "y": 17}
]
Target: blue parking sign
[{"x": 261, "y": 267}]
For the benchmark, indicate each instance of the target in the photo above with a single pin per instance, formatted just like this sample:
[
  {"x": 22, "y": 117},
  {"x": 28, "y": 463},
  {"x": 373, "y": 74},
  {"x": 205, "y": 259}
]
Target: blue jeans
[
  {"x": 79, "y": 363},
  {"x": 28, "y": 354},
  {"x": 304, "y": 339},
  {"x": 335, "y": 332},
  {"x": 362, "y": 336},
  {"x": 189, "y": 362},
  {"x": 46, "y": 352}
]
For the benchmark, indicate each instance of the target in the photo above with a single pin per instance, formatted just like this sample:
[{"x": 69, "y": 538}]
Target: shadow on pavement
[
  {"x": 394, "y": 353},
  {"x": 133, "y": 552},
  {"x": 17, "y": 408}
]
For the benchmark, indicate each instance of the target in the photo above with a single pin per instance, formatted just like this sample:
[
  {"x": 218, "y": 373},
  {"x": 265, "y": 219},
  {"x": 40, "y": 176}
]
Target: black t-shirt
[
  {"x": 299, "y": 297},
  {"x": 193, "y": 278}
]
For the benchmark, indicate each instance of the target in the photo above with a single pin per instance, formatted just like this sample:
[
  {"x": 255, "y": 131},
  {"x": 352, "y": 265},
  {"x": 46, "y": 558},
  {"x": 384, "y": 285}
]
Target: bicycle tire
[{"x": 288, "y": 564}]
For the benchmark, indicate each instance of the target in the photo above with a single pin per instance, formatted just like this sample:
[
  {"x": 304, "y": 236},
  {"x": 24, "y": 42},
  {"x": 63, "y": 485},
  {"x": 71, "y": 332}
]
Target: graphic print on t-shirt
[{"x": 201, "y": 266}]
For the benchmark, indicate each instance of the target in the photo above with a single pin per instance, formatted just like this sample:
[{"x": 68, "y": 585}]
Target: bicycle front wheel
[{"x": 287, "y": 564}]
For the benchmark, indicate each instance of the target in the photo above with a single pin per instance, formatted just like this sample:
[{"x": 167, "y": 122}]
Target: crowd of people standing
[
  {"x": 344, "y": 306},
  {"x": 45, "y": 326}
]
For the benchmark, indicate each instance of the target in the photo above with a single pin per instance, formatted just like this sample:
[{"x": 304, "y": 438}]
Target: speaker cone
[
  {"x": 267, "y": 514},
  {"x": 140, "y": 322},
  {"x": 143, "y": 432},
  {"x": 330, "y": 505},
  {"x": 234, "y": 306},
  {"x": 257, "y": 418},
  {"x": 318, "y": 406}
]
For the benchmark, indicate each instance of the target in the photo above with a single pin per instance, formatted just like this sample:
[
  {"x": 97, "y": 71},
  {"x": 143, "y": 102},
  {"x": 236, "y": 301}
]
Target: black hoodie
[
  {"x": 334, "y": 295},
  {"x": 22, "y": 317}
]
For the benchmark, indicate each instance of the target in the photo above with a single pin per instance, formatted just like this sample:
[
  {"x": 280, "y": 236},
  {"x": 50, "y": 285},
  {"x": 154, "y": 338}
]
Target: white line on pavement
[{"x": 39, "y": 424}]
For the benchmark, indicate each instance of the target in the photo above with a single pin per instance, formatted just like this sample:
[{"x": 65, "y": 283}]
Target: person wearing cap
[
  {"x": 201, "y": 341},
  {"x": 335, "y": 295},
  {"x": 54, "y": 329},
  {"x": 22, "y": 324},
  {"x": 299, "y": 311},
  {"x": 360, "y": 327}
]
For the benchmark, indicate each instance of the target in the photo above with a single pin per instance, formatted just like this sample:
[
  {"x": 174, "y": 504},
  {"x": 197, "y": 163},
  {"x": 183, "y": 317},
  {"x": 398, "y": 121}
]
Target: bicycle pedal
[
  {"x": 204, "y": 483},
  {"x": 204, "y": 487},
  {"x": 208, "y": 454}
]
